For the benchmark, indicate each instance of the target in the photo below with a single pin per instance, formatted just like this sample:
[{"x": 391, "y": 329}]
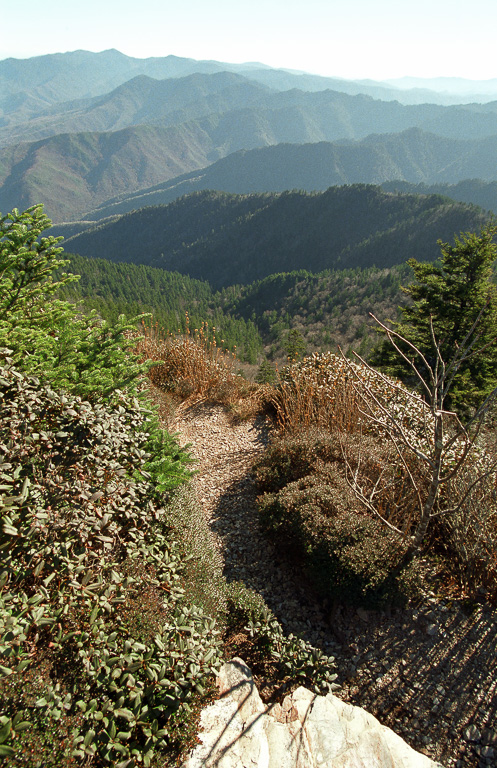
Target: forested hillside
[
  {"x": 411, "y": 156},
  {"x": 476, "y": 191},
  {"x": 130, "y": 289},
  {"x": 325, "y": 310},
  {"x": 77, "y": 152},
  {"x": 230, "y": 239}
]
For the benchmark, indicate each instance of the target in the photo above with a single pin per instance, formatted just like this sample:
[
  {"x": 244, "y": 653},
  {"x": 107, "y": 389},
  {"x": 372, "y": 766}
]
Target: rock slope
[{"x": 306, "y": 731}]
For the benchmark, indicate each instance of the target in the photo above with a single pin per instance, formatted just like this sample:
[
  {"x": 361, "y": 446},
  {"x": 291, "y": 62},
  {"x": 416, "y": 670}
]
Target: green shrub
[
  {"x": 347, "y": 555},
  {"x": 51, "y": 338},
  {"x": 293, "y": 456},
  {"x": 296, "y": 662},
  {"x": 98, "y": 638}
]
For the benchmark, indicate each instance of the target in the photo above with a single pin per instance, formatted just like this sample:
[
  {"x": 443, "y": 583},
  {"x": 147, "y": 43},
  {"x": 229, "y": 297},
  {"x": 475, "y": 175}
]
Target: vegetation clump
[
  {"x": 113, "y": 608},
  {"x": 84, "y": 533}
]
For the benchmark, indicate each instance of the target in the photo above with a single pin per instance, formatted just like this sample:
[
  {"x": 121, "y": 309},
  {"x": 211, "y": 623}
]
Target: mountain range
[
  {"x": 92, "y": 135},
  {"x": 229, "y": 239}
]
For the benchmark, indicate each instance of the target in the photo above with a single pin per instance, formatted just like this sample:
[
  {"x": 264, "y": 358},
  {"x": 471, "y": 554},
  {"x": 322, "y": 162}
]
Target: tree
[
  {"x": 433, "y": 445},
  {"x": 445, "y": 302},
  {"x": 295, "y": 345},
  {"x": 49, "y": 337}
]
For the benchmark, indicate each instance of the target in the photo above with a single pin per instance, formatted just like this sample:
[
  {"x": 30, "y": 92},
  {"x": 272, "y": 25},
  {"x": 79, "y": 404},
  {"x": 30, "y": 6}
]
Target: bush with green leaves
[
  {"x": 97, "y": 634},
  {"x": 297, "y": 662},
  {"x": 49, "y": 337},
  {"x": 308, "y": 507}
]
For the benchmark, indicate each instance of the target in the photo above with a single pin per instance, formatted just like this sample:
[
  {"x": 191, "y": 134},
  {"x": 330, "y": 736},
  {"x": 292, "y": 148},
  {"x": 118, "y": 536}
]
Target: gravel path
[{"x": 428, "y": 672}]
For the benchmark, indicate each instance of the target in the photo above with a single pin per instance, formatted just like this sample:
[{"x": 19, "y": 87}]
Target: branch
[
  {"x": 391, "y": 333},
  {"x": 354, "y": 486}
]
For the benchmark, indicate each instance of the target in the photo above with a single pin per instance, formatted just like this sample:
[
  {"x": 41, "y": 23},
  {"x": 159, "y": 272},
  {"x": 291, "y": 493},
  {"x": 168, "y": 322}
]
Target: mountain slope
[
  {"x": 70, "y": 173},
  {"x": 473, "y": 191},
  {"x": 229, "y": 239},
  {"x": 291, "y": 115},
  {"x": 142, "y": 100},
  {"x": 411, "y": 156},
  {"x": 30, "y": 86},
  {"x": 74, "y": 174}
]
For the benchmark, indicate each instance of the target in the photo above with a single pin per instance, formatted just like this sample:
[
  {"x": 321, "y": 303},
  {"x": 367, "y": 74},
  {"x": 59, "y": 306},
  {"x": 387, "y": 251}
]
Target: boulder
[{"x": 305, "y": 731}]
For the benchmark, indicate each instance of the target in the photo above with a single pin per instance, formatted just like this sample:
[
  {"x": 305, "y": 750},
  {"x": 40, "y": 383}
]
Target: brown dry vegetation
[
  {"x": 196, "y": 366},
  {"x": 321, "y": 438}
]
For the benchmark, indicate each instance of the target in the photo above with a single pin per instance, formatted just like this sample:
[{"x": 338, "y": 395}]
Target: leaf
[
  {"x": 6, "y": 751},
  {"x": 22, "y": 726},
  {"x": 126, "y": 713},
  {"x": 10, "y": 530},
  {"x": 5, "y": 731},
  {"x": 89, "y": 737},
  {"x": 5, "y": 671}
]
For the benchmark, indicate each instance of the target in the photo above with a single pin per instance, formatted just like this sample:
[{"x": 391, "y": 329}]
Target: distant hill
[
  {"x": 142, "y": 100},
  {"x": 413, "y": 156},
  {"x": 94, "y": 175},
  {"x": 327, "y": 309},
  {"x": 28, "y": 87},
  {"x": 80, "y": 132},
  {"x": 289, "y": 115},
  {"x": 229, "y": 239},
  {"x": 476, "y": 191},
  {"x": 72, "y": 173}
]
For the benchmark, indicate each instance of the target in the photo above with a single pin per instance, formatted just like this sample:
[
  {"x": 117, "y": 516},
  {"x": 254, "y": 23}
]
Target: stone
[
  {"x": 472, "y": 734},
  {"x": 305, "y": 731},
  {"x": 488, "y": 752}
]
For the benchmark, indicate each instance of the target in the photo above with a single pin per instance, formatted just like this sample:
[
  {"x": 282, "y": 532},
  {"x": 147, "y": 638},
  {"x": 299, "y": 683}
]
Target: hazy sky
[{"x": 346, "y": 38}]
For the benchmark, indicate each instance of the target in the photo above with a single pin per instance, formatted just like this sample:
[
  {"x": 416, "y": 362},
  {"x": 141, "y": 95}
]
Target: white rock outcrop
[{"x": 306, "y": 731}]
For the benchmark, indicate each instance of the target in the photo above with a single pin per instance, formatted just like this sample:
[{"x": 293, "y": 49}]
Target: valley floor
[{"x": 429, "y": 671}]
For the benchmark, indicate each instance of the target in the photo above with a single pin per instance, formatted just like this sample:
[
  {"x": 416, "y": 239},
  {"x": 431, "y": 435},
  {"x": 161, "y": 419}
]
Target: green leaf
[
  {"x": 22, "y": 726},
  {"x": 5, "y": 671},
  {"x": 126, "y": 713},
  {"x": 6, "y": 751},
  {"x": 89, "y": 737},
  {"x": 5, "y": 731}
]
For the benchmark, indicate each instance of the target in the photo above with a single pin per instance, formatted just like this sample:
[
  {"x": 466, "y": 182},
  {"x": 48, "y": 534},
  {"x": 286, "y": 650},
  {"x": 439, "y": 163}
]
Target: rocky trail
[{"x": 429, "y": 671}]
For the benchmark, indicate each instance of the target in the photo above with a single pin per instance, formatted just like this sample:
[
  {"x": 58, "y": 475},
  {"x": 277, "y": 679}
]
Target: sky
[{"x": 356, "y": 39}]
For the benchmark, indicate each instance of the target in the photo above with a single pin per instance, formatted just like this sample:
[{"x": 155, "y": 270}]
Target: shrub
[
  {"x": 469, "y": 535},
  {"x": 98, "y": 639},
  {"x": 347, "y": 555},
  {"x": 293, "y": 456},
  {"x": 296, "y": 662},
  {"x": 192, "y": 364},
  {"x": 49, "y": 337}
]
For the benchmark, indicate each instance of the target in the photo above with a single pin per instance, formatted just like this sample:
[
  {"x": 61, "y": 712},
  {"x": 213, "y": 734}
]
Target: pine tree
[
  {"x": 448, "y": 298},
  {"x": 47, "y": 336}
]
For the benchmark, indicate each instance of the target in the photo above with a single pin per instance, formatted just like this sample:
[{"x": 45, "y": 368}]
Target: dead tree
[{"x": 442, "y": 444}]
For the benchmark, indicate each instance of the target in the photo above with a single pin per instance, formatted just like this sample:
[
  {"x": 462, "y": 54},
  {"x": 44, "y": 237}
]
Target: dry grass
[
  {"x": 314, "y": 394},
  {"x": 319, "y": 392},
  {"x": 196, "y": 366}
]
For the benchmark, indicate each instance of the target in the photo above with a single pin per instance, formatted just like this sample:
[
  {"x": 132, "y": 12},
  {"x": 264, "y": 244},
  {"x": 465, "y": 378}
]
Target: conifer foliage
[
  {"x": 452, "y": 300},
  {"x": 48, "y": 336}
]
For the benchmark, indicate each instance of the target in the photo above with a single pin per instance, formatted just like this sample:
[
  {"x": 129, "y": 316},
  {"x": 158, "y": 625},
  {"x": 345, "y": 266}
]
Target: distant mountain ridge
[
  {"x": 94, "y": 134},
  {"x": 42, "y": 81},
  {"x": 324, "y": 115},
  {"x": 101, "y": 174},
  {"x": 412, "y": 157},
  {"x": 230, "y": 239}
]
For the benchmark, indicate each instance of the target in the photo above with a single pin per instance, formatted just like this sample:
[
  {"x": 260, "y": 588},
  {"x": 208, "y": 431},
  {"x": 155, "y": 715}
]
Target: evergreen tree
[
  {"x": 448, "y": 298},
  {"x": 49, "y": 337},
  {"x": 295, "y": 345}
]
